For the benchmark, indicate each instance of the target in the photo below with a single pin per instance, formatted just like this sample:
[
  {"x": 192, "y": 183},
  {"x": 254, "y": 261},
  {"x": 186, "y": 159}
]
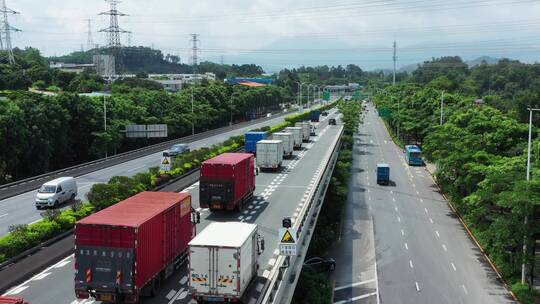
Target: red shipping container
[
  {"x": 227, "y": 181},
  {"x": 123, "y": 248}
]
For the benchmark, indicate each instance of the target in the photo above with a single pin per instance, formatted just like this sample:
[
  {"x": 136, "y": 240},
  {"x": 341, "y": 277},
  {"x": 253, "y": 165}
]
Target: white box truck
[
  {"x": 306, "y": 130},
  {"x": 297, "y": 136},
  {"x": 288, "y": 142},
  {"x": 269, "y": 154},
  {"x": 223, "y": 260}
]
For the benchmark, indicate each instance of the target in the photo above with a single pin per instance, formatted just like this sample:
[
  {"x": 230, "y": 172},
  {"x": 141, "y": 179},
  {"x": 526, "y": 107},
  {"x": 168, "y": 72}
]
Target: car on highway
[
  {"x": 55, "y": 192},
  {"x": 324, "y": 113},
  {"x": 332, "y": 122},
  {"x": 321, "y": 264},
  {"x": 177, "y": 150}
]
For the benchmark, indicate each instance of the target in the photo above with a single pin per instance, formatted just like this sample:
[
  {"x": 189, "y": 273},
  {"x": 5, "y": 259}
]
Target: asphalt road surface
[
  {"x": 402, "y": 243},
  {"x": 277, "y": 195},
  {"x": 20, "y": 209}
]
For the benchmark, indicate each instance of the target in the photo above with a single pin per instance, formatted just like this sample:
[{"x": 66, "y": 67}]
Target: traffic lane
[
  {"x": 426, "y": 264},
  {"x": 355, "y": 276},
  {"x": 20, "y": 209},
  {"x": 434, "y": 254}
]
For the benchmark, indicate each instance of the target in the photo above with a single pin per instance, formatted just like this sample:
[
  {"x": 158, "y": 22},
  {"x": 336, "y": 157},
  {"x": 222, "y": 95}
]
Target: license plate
[
  {"x": 216, "y": 206},
  {"x": 215, "y": 299},
  {"x": 106, "y": 298}
]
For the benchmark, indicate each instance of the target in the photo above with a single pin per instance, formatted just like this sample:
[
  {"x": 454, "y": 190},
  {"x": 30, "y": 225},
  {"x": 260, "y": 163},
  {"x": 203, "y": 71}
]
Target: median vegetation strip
[
  {"x": 480, "y": 151},
  {"x": 100, "y": 196},
  {"x": 314, "y": 287}
]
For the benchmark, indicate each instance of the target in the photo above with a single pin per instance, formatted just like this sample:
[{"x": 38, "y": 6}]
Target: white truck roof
[
  {"x": 57, "y": 181},
  {"x": 229, "y": 234},
  {"x": 283, "y": 133},
  {"x": 269, "y": 141}
]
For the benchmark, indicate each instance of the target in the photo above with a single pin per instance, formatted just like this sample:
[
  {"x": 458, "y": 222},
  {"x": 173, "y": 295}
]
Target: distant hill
[
  {"x": 409, "y": 68},
  {"x": 479, "y": 60}
]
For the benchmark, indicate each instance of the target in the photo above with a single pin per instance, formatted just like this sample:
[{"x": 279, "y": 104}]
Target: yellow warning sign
[
  {"x": 165, "y": 161},
  {"x": 287, "y": 237}
]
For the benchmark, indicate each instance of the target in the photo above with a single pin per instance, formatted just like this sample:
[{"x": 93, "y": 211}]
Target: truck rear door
[
  {"x": 213, "y": 272},
  {"x": 226, "y": 263}
]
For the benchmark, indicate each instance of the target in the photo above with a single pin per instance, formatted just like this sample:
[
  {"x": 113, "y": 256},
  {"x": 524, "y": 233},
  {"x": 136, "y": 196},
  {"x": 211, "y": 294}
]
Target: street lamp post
[
  {"x": 531, "y": 110},
  {"x": 192, "y": 114},
  {"x": 105, "y": 122},
  {"x": 442, "y": 106}
]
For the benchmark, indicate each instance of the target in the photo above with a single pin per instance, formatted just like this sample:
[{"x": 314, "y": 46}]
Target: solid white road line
[
  {"x": 350, "y": 300},
  {"x": 3, "y": 215}
]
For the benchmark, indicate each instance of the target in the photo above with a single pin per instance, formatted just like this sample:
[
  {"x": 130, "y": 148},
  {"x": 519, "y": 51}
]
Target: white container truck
[
  {"x": 288, "y": 142},
  {"x": 297, "y": 136},
  {"x": 269, "y": 154},
  {"x": 306, "y": 130},
  {"x": 223, "y": 260}
]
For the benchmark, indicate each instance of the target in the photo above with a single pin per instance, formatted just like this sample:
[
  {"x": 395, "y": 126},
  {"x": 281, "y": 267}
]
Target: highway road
[
  {"x": 20, "y": 209},
  {"x": 277, "y": 195},
  {"x": 403, "y": 241}
]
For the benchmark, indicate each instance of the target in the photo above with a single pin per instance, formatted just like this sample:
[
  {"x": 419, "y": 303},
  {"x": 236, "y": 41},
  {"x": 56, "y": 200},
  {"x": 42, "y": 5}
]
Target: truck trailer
[
  {"x": 227, "y": 181},
  {"x": 297, "y": 136},
  {"x": 315, "y": 115},
  {"x": 251, "y": 139},
  {"x": 288, "y": 142},
  {"x": 383, "y": 174},
  {"x": 269, "y": 154},
  {"x": 223, "y": 261},
  {"x": 306, "y": 130},
  {"x": 127, "y": 250}
]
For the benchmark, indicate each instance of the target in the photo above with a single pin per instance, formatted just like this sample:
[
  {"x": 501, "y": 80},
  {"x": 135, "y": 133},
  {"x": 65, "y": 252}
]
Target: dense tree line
[
  {"x": 480, "y": 149},
  {"x": 43, "y": 133}
]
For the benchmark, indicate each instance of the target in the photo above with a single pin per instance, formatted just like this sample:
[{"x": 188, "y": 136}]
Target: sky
[{"x": 289, "y": 33}]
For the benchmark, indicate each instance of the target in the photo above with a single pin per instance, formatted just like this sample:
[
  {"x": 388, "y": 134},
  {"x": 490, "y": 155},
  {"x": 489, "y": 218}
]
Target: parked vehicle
[
  {"x": 332, "y": 122},
  {"x": 223, "y": 261},
  {"x": 312, "y": 129},
  {"x": 321, "y": 264},
  {"x": 269, "y": 154},
  {"x": 306, "y": 130},
  {"x": 227, "y": 181},
  {"x": 251, "y": 139},
  {"x": 383, "y": 174},
  {"x": 177, "y": 150},
  {"x": 413, "y": 155},
  {"x": 12, "y": 300},
  {"x": 56, "y": 192},
  {"x": 127, "y": 250},
  {"x": 288, "y": 142},
  {"x": 315, "y": 116},
  {"x": 297, "y": 136}
]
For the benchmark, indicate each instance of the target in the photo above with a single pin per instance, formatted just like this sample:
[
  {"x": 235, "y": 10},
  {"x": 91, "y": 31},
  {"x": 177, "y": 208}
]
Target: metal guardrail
[
  {"x": 282, "y": 280},
  {"x": 31, "y": 183}
]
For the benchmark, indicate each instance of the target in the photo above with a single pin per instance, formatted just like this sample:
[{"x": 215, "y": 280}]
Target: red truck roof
[
  {"x": 12, "y": 300},
  {"x": 229, "y": 158},
  {"x": 136, "y": 210}
]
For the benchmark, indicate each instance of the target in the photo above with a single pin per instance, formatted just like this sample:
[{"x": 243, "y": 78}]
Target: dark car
[
  {"x": 321, "y": 264},
  {"x": 332, "y": 122},
  {"x": 178, "y": 149},
  {"x": 324, "y": 113}
]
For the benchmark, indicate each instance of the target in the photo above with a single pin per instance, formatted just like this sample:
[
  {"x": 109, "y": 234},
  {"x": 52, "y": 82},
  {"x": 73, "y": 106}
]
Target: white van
[{"x": 56, "y": 192}]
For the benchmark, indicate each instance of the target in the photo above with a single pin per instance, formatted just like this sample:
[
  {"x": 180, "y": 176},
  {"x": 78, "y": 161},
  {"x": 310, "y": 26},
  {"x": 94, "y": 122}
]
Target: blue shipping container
[
  {"x": 383, "y": 174},
  {"x": 251, "y": 139}
]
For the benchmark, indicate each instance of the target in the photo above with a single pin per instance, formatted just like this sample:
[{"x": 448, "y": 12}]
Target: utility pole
[
  {"x": 114, "y": 30},
  {"x": 523, "y": 266},
  {"x": 105, "y": 122},
  {"x": 222, "y": 61},
  {"x": 442, "y": 106},
  {"x": 90, "y": 39},
  {"x": 394, "y": 58},
  {"x": 129, "y": 38},
  {"x": 195, "y": 49},
  {"x": 5, "y": 34}
]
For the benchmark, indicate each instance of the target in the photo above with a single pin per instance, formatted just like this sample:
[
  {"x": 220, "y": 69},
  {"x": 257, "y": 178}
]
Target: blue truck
[
  {"x": 383, "y": 174},
  {"x": 251, "y": 139},
  {"x": 315, "y": 116}
]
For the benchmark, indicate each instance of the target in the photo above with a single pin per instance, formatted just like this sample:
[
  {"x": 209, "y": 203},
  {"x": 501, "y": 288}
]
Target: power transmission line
[{"x": 5, "y": 34}]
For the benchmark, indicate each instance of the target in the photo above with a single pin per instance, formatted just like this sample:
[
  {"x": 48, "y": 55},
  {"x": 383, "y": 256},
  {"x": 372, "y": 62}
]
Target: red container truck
[
  {"x": 12, "y": 300},
  {"x": 227, "y": 181},
  {"x": 126, "y": 250}
]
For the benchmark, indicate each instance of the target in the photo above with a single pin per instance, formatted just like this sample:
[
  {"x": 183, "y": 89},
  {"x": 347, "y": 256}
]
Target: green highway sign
[
  {"x": 385, "y": 112},
  {"x": 326, "y": 95}
]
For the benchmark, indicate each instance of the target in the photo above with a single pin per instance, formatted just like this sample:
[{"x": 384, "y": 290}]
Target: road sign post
[{"x": 166, "y": 163}]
